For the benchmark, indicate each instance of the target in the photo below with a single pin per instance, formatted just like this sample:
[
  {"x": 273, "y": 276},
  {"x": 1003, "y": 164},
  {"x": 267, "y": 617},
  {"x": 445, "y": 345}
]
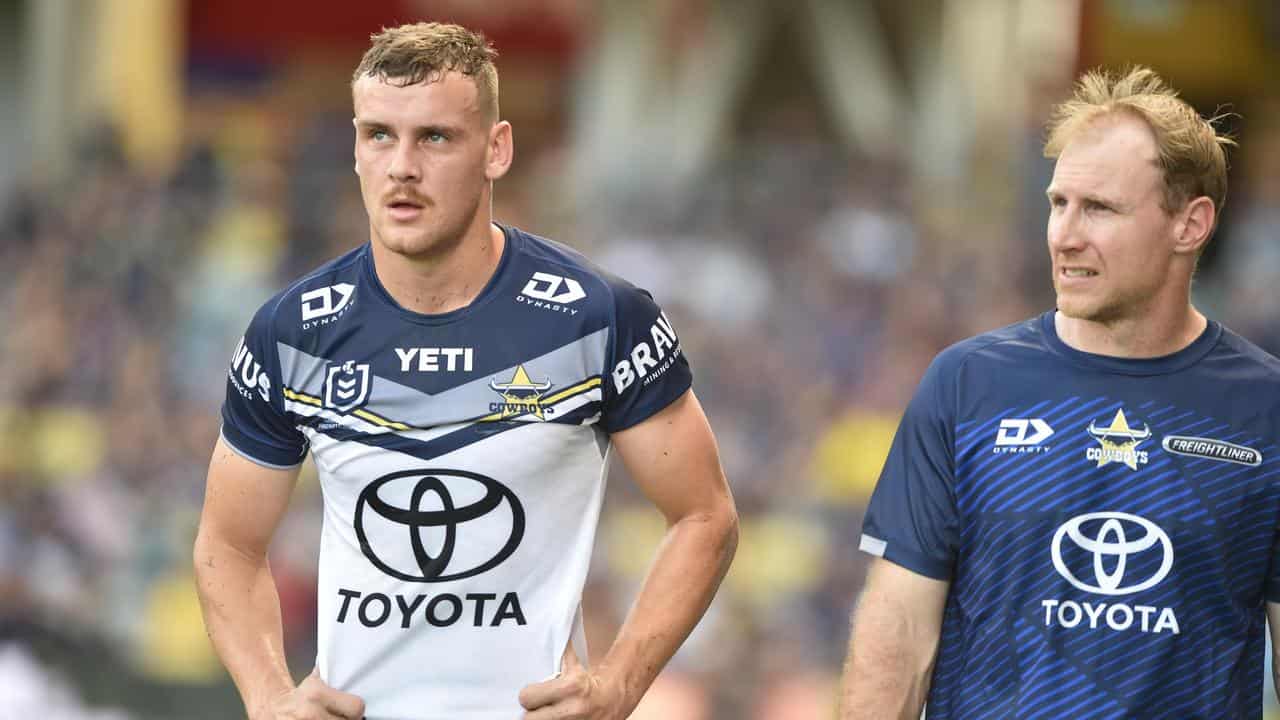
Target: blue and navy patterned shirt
[{"x": 1108, "y": 526}]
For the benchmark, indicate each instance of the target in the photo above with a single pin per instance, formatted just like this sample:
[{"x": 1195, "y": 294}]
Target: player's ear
[
  {"x": 500, "y": 150},
  {"x": 1194, "y": 226},
  {"x": 355, "y": 126}
]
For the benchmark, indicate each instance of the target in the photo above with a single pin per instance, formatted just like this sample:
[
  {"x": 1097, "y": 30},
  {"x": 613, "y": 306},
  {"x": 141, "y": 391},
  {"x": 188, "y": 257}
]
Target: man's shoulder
[
  {"x": 557, "y": 272},
  {"x": 1263, "y": 365},
  {"x": 1017, "y": 343},
  {"x": 318, "y": 297}
]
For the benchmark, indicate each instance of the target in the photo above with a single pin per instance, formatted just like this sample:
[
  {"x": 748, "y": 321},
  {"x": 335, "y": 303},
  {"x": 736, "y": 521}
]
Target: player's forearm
[
  {"x": 687, "y": 569},
  {"x": 889, "y": 669},
  {"x": 242, "y": 616}
]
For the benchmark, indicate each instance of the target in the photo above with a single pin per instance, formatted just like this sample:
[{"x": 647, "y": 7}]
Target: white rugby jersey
[{"x": 461, "y": 459}]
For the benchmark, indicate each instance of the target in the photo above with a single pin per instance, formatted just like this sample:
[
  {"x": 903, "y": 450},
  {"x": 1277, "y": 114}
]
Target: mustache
[{"x": 406, "y": 197}]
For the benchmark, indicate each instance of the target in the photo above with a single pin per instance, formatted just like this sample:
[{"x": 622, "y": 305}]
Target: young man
[
  {"x": 1078, "y": 517},
  {"x": 459, "y": 384}
]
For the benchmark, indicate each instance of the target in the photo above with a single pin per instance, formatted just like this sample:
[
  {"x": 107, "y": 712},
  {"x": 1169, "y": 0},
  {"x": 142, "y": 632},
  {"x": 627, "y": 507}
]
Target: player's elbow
[
  {"x": 203, "y": 555},
  {"x": 729, "y": 532},
  {"x": 722, "y": 525},
  {"x": 212, "y": 554}
]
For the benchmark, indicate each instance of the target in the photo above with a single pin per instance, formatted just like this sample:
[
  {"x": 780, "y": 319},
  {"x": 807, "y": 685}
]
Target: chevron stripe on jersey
[{"x": 462, "y": 462}]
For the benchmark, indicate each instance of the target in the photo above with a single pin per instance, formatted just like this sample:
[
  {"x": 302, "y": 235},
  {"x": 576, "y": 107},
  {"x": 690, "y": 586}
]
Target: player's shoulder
[
  {"x": 1256, "y": 363},
  {"x": 1012, "y": 343},
  {"x": 555, "y": 272},
  {"x": 318, "y": 297}
]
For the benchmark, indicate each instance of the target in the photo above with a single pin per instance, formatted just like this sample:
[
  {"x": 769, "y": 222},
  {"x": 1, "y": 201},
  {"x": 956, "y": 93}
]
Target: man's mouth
[
  {"x": 404, "y": 210},
  {"x": 1079, "y": 272}
]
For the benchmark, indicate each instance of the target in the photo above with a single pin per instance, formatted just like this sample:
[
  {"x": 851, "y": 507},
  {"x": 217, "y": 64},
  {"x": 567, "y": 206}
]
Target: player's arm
[
  {"x": 672, "y": 457},
  {"x": 1273, "y": 623},
  {"x": 912, "y": 527},
  {"x": 243, "y": 505},
  {"x": 895, "y": 639}
]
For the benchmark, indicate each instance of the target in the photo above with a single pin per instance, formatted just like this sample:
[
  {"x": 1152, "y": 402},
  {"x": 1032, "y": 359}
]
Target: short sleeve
[
  {"x": 646, "y": 366},
  {"x": 254, "y": 423},
  {"x": 1273, "y": 578},
  {"x": 912, "y": 520}
]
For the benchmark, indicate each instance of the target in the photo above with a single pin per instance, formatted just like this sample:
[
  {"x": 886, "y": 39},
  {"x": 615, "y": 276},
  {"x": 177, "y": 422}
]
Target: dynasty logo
[
  {"x": 1119, "y": 443},
  {"x": 521, "y": 396}
]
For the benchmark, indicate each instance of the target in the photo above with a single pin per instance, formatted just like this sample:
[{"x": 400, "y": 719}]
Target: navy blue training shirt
[{"x": 1108, "y": 526}]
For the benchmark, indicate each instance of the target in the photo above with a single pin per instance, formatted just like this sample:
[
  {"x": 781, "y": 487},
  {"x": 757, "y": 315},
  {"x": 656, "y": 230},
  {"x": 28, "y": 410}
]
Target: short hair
[
  {"x": 424, "y": 52},
  {"x": 1190, "y": 151}
]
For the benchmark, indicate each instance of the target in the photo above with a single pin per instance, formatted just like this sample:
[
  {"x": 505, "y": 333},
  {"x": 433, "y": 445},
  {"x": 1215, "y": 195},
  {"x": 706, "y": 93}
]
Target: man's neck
[
  {"x": 1148, "y": 336},
  {"x": 444, "y": 283}
]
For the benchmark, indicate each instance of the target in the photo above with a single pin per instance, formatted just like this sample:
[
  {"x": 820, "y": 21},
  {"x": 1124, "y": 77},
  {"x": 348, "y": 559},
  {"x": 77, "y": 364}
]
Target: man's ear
[
  {"x": 353, "y": 147},
  {"x": 500, "y": 152},
  {"x": 1195, "y": 226}
]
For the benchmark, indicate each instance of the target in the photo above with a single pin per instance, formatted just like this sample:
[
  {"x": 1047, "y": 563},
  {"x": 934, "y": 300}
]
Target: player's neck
[
  {"x": 432, "y": 285},
  {"x": 1146, "y": 335}
]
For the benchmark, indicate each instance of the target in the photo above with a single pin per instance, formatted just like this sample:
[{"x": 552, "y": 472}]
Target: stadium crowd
[{"x": 810, "y": 290}]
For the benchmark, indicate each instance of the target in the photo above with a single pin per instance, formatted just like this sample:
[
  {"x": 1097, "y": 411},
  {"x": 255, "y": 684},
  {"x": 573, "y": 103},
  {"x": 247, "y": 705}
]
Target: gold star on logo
[
  {"x": 522, "y": 394},
  {"x": 1119, "y": 441}
]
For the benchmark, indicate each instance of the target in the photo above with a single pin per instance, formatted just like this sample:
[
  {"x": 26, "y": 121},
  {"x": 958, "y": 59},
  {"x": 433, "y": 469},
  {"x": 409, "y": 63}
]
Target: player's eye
[
  {"x": 435, "y": 137},
  {"x": 1095, "y": 206},
  {"x": 379, "y": 135}
]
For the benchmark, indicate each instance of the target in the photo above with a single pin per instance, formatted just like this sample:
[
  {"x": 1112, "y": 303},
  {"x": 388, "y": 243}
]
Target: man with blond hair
[
  {"x": 1078, "y": 516},
  {"x": 460, "y": 384}
]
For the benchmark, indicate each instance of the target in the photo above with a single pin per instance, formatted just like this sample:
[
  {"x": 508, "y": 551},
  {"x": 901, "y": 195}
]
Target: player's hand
[
  {"x": 313, "y": 700},
  {"x": 575, "y": 694}
]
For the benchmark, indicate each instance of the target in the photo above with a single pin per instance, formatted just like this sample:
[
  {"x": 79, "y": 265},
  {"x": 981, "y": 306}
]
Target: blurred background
[{"x": 822, "y": 193}]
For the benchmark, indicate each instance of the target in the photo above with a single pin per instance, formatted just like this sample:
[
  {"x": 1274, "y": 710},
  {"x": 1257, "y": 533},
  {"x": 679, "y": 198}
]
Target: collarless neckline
[
  {"x": 487, "y": 293},
  {"x": 1161, "y": 365}
]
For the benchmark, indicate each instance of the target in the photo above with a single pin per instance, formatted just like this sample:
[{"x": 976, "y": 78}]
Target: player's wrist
[
  {"x": 620, "y": 688},
  {"x": 262, "y": 703}
]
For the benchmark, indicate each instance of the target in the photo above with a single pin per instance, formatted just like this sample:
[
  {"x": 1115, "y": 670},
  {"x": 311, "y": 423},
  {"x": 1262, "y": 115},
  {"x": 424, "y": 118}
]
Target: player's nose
[
  {"x": 1065, "y": 232},
  {"x": 404, "y": 166}
]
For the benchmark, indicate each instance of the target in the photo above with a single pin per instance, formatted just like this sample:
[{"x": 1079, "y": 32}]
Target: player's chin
[
  {"x": 1077, "y": 306},
  {"x": 1090, "y": 309},
  {"x": 405, "y": 240}
]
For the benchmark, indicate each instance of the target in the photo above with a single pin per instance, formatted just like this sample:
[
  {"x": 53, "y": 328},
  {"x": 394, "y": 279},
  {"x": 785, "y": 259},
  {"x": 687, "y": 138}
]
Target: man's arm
[
  {"x": 895, "y": 640},
  {"x": 672, "y": 457},
  {"x": 1273, "y": 624},
  {"x": 243, "y": 505}
]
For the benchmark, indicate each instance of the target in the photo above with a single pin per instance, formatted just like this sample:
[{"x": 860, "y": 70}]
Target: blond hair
[
  {"x": 423, "y": 52},
  {"x": 1190, "y": 152}
]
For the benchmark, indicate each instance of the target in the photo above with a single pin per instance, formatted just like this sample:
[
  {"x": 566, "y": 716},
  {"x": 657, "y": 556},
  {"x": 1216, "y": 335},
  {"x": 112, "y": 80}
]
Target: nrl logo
[
  {"x": 1119, "y": 443},
  {"x": 346, "y": 386}
]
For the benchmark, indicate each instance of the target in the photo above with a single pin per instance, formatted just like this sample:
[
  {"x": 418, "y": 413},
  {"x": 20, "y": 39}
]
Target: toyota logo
[
  {"x": 437, "y": 525},
  {"x": 1112, "y": 538}
]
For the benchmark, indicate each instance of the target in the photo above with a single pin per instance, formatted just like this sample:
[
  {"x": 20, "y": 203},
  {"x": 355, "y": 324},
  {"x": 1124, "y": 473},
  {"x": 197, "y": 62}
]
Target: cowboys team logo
[
  {"x": 1119, "y": 443},
  {"x": 521, "y": 396},
  {"x": 346, "y": 386},
  {"x": 432, "y": 526}
]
